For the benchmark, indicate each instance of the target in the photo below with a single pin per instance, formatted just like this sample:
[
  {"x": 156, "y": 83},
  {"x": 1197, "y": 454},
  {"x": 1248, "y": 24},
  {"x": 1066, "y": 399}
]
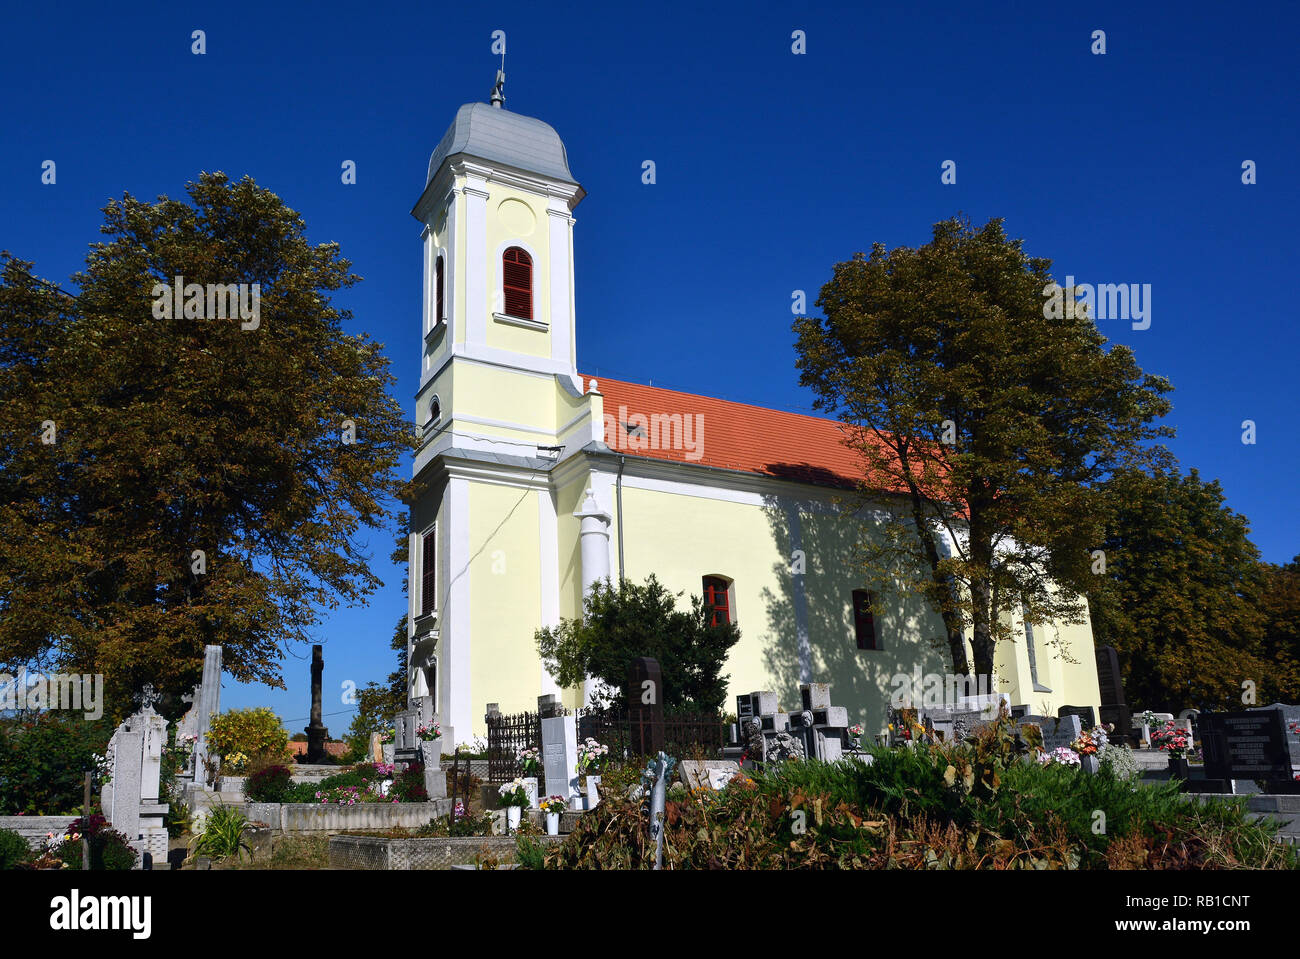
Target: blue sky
[{"x": 1122, "y": 168}]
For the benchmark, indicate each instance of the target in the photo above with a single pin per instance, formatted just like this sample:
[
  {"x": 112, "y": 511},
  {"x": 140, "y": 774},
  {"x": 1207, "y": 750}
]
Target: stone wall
[
  {"x": 35, "y": 828},
  {"x": 376, "y": 852},
  {"x": 318, "y": 817}
]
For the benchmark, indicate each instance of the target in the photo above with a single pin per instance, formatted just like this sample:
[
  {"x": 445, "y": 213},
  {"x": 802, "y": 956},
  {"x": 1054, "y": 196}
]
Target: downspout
[{"x": 618, "y": 496}]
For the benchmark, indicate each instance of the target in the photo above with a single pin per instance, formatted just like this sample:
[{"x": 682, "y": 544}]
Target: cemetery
[{"x": 975, "y": 783}]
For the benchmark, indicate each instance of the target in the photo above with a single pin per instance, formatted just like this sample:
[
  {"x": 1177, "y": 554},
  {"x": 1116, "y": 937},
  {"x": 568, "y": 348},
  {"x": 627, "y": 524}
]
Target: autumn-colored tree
[
  {"x": 1181, "y": 596},
  {"x": 1280, "y": 644},
  {"x": 984, "y": 420},
  {"x": 178, "y": 477}
]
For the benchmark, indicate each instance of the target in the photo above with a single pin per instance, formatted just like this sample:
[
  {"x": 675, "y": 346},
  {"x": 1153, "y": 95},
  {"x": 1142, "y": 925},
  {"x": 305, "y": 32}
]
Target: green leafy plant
[
  {"x": 223, "y": 834},
  {"x": 44, "y": 758},
  {"x": 13, "y": 849},
  {"x": 529, "y": 853}
]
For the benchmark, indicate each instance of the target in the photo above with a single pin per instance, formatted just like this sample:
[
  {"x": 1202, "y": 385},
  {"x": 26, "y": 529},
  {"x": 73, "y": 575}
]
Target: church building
[{"x": 537, "y": 481}]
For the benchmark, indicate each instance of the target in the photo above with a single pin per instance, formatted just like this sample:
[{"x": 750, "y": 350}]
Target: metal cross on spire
[{"x": 499, "y": 88}]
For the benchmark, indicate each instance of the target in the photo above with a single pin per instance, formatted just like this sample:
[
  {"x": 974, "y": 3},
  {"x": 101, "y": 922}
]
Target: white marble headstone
[{"x": 560, "y": 756}]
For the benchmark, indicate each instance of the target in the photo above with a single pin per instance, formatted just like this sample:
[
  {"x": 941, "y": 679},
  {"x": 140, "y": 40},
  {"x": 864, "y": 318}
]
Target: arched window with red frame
[
  {"x": 438, "y": 287},
  {"x": 717, "y": 598},
  {"x": 517, "y": 282}
]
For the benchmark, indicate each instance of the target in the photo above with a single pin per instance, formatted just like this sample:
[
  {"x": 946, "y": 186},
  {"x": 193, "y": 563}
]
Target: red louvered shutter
[
  {"x": 517, "y": 282},
  {"x": 428, "y": 577}
]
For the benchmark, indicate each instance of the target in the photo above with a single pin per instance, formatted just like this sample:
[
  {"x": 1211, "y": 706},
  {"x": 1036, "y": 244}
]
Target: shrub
[
  {"x": 43, "y": 760},
  {"x": 109, "y": 849},
  {"x": 269, "y": 785},
  {"x": 13, "y": 849},
  {"x": 408, "y": 786},
  {"x": 529, "y": 853},
  {"x": 257, "y": 734}
]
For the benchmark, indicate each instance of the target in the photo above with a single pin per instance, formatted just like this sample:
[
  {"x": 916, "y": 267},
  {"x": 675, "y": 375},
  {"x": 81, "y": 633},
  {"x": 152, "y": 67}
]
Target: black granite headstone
[
  {"x": 1247, "y": 745},
  {"x": 1114, "y": 707},
  {"x": 1087, "y": 718}
]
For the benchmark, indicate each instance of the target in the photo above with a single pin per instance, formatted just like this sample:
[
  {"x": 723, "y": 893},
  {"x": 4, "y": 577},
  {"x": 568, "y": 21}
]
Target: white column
[
  {"x": 477, "y": 296},
  {"x": 593, "y": 536}
]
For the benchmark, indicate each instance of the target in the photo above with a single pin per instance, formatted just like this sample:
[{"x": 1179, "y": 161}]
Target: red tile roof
[{"x": 734, "y": 436}]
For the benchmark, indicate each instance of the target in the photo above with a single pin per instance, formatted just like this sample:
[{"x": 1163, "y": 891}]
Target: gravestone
[
  {"x": 710, "y": 773},
  {"x": 316, "y": 732},
  {"x": 205, "y": 701},
  {"x": 1247, "y": 745},
  {"x": 435, "y": 779},
  {"x": 1085, "y": 713},
  {"x": 1114, "y": 706},
  {"x": 1291, "y": 721},
  {"x": 951, "y": 724},
  {"x": 1057, "y": 732},
  {"x": 744, "y": 713},
  {"x": 645, "y": 706},
  {"x": 130, "y": 799},
  {"x": 560, "y": 756}
]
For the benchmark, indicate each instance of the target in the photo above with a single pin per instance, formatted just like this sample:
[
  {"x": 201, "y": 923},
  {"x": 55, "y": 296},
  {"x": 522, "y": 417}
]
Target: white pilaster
[
  {"x": 549, "y": 564},
  {"x": 561, "y": 263},
  {"x": 456, "y": 693},
  {"x": 477, "y": 304}
]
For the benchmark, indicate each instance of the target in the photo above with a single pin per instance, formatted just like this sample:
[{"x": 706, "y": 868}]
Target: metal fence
[{"x": 685, "y": 735}]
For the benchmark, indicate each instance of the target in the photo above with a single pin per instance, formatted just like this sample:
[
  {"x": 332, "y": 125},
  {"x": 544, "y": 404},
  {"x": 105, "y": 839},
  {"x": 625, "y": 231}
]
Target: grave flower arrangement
[
  {"x": 385, "y": 734},
  {"x": 514, "y": 793},
  {"x": 530, "y": 760},
  {"x": 591, "y": 756},
  {"x": 856, "y": 731},
  {"x": 1087, "y": 745},
  {"x": 1172, "y": 738},
  {"x": 1061, "y": 755},
  {"x": 428, "y": 732},
  {"x": 554, "y": 804}
]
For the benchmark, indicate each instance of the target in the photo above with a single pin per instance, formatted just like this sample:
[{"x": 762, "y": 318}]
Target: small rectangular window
[
  {"x": 428, "y": 577},
  {"x": 864, "y": 620},
  {"x": 717, "y": 599}
]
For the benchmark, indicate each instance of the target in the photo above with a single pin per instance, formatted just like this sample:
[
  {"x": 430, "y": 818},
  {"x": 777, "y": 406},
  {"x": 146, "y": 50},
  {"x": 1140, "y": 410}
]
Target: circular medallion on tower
[{"x": 517, "y": 217}]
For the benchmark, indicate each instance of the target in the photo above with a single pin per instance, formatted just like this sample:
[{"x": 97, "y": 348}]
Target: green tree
[
  {"x": 1181, "y": 596},
  {"x": 202, "y": 485},
  {"x": 979, "y": 412},
  {"x": 620, "y": 624}
]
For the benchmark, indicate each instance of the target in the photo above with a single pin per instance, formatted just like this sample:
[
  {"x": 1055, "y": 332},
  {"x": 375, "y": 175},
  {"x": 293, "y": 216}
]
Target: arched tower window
[
  {"x": 438, "y": 287},
  {"x": 517, "y": 282}
]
